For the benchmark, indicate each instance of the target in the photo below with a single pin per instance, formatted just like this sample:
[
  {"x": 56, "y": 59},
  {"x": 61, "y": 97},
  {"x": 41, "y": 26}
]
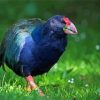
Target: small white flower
[
  {"x": 86, "y": 85},
  {"x": 72, "y": 79},
  {"x": 69, "y": 81},
  {"x": 97, "y": 47},
  {"x": 72, "y": 82}
]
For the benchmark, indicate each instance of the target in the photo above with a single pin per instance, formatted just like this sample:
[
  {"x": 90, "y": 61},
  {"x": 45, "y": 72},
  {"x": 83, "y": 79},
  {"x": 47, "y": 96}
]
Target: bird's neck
[
  {"x": 45, "y": 31},
  {"x": 52, "y": 32},
  {"x": 37, "y": 33}
]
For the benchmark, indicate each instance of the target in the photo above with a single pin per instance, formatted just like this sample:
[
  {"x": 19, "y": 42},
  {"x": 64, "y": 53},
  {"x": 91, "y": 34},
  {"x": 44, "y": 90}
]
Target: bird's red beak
[{"x": 70, "y": 29}]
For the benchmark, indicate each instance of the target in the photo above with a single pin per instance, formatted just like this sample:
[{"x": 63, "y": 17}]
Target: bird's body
[
  {"x": 28, "y": 50},
  {"x": 32, "y": 47}
]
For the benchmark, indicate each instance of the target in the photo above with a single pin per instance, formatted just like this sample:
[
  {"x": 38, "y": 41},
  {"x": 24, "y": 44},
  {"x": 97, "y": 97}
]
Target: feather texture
[{"x": 33, "y": 46}]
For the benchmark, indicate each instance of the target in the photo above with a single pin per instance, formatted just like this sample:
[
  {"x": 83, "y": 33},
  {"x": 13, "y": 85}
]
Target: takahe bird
[{"x": 31, "y": 47}]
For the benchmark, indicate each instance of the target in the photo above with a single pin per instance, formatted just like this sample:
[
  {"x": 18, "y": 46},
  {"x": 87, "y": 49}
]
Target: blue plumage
[{"x": 32, "y": 47}]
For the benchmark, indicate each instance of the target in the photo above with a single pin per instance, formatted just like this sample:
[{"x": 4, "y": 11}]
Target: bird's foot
[
  {"x": 35, "y": 88},
  {"x": 40, "y": 92},
  {"x": 28, "y": 88},
  {"x": 32, "y": 86}
]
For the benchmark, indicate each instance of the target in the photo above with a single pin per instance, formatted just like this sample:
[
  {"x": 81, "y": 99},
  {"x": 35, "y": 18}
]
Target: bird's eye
[{"x": 64, "y": 27}]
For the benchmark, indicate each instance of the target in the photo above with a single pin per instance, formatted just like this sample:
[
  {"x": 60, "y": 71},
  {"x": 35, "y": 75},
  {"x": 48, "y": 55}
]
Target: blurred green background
[
  {"x": 85, "y": 13},
  {"x": 81, "y": 60}
]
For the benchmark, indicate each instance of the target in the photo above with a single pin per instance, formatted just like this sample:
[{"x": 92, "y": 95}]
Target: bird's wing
[
  {"x": 16, "y": 35},
  {"x": 22, "y": 25}
]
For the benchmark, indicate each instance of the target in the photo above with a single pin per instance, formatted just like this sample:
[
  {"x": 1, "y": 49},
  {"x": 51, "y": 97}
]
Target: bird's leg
[
  {"x": 32, "y": 85},
  {"x": 30, "y": 82}
]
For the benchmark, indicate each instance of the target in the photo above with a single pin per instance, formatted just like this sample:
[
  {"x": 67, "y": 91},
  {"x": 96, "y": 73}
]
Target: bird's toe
[
  {"x": 41, "y": 93},
  {"x": 28, "y": 88}
]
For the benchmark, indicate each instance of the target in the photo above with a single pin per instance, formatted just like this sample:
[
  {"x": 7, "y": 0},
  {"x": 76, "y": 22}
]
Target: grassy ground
[{"x": 75, "y": 77}]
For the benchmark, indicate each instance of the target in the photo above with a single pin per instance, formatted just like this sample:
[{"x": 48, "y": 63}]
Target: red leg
[{"x": 32, "y": 85}]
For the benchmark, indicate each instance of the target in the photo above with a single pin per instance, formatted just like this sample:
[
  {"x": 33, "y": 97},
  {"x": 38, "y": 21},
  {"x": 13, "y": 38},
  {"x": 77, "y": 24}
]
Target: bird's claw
[
  {"x": 29, "y": 89},
  {"x": 40, "y": 92}
]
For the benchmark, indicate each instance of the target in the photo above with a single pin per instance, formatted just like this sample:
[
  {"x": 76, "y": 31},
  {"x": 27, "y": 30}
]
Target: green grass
[{"x": 75, "y": 77}]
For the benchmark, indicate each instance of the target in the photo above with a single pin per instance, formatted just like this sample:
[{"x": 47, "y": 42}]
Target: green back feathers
[{"x": 15, "y": 38}]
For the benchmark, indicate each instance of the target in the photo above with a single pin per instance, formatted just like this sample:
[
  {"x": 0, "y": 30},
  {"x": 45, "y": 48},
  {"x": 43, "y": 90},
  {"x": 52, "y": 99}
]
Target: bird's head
[{"x": 62, "y": 24}]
